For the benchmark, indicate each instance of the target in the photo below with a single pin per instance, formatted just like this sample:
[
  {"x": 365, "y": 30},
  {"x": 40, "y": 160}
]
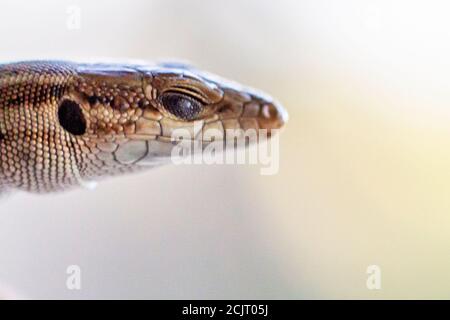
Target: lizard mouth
[{"x": 257, "y": 122}]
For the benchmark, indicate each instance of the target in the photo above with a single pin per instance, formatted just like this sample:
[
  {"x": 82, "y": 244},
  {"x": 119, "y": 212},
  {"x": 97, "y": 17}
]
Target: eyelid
[{"x": 185, "y": 94}]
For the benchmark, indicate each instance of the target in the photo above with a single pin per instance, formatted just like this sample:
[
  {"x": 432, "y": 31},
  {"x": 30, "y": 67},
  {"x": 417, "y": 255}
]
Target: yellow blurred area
[{"x": 365, "y": 157}]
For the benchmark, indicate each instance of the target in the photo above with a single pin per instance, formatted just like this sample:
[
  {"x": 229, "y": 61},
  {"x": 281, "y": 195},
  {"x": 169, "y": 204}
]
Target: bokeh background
[{"x": 364, "y": 176}]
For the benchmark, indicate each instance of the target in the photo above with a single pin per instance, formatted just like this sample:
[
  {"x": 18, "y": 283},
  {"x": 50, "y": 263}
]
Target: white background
[{"x": 364, "y": 174}]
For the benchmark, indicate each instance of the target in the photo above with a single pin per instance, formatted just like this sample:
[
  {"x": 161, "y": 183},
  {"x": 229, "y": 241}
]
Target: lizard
[{"x": 64, "y": 123}]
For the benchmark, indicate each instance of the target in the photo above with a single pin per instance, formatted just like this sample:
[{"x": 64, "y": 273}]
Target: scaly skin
[{"x": 63, "y": 123}]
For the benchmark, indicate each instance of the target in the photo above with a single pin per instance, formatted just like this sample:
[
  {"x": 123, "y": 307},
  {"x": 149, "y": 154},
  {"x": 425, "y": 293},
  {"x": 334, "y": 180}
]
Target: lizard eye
[
  {"x": 181, "y": 105},
  {"x": 71, "y": 117}
]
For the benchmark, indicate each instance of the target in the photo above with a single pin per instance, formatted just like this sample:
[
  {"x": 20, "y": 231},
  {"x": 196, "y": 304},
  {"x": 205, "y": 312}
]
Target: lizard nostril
[
  {"x": 71, "y": 117},
  {"x": 273, "y": 116},
  {"x": 269, "y": 111}
]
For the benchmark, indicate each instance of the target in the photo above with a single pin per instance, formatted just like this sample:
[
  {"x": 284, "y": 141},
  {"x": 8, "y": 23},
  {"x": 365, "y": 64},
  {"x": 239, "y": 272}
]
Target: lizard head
[{"x": 131, "y": 115}]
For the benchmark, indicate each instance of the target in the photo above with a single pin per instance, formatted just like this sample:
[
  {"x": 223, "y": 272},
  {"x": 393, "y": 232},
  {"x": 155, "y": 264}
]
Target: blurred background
[{"x": 364, "y": 173}]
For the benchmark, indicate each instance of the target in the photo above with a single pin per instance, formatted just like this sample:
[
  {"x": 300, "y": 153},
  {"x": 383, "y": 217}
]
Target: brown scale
[{"x": 29, "y": 94}]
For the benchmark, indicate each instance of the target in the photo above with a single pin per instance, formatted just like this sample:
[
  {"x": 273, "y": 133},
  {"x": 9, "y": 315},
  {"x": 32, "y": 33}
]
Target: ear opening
[{"x": 71, "y": 117}]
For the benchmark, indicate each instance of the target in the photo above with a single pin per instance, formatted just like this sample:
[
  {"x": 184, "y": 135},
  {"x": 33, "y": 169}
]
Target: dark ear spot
[{"x": 71, "y": 117}]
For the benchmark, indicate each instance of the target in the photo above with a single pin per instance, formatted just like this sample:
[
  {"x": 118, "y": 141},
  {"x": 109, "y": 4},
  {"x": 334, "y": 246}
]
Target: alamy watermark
[
  {"x": 73, "y": 21},
  {"x": 373, "y": 281},
  {"x": 73, "y": 281},
  {"x": 230, "y": 146}
]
